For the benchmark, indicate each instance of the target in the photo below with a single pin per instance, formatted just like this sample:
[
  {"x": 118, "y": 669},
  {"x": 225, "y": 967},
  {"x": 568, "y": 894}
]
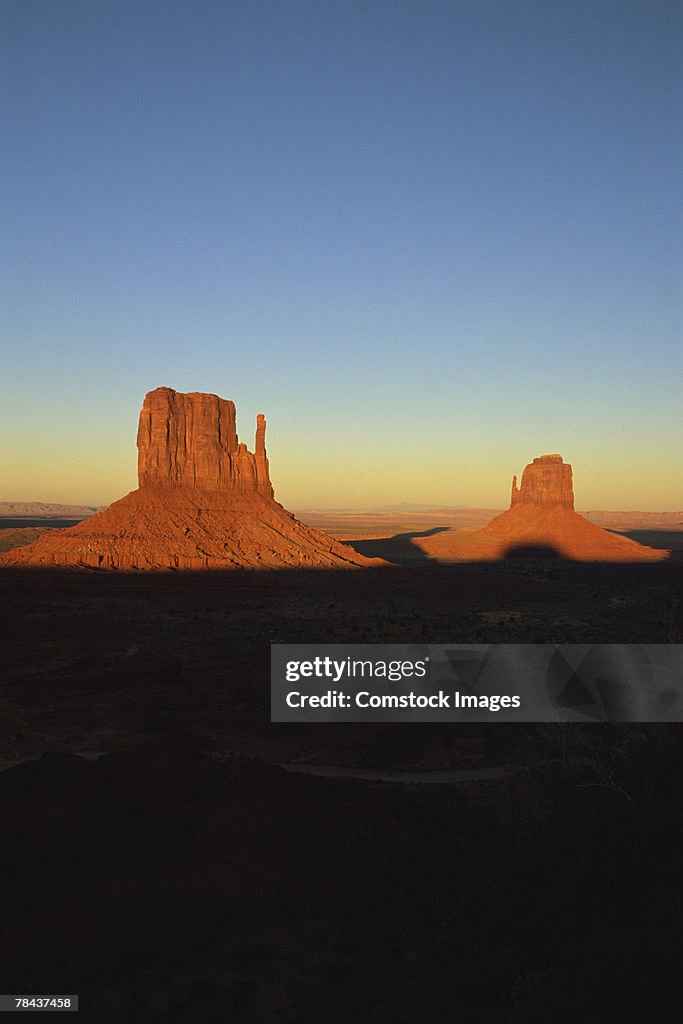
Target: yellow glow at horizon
[{"x": 339, "y": 476}]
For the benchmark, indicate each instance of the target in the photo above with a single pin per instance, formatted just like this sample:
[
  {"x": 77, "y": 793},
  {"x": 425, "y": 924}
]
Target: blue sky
[{"x": 429, "y": 240}]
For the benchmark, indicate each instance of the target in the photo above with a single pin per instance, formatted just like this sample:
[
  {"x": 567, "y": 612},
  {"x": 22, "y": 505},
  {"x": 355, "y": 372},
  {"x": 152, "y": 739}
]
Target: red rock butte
[
  {"x": 204, "y": 501},
  {"x": 546, "y": 482},
  {"x": 541, "y": 522},
  {"x": 191, "y": 441}
]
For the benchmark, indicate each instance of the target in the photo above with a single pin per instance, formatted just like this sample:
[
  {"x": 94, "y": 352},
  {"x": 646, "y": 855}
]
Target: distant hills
[
  {"x": 415, "y": 506},
  {"x": 47, "y": 509},
  {"x": 634, "y": 519}
]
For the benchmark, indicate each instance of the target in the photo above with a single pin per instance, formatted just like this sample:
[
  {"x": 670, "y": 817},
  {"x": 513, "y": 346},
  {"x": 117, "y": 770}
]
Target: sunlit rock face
[
  {"x": 204, "y": 501},
  {"x": 546, "y": 482},
  {"x": 190, "y": 440}
]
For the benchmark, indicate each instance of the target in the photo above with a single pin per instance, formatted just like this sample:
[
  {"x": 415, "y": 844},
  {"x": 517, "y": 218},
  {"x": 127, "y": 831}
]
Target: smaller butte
[{"x": 540, "y": 522}]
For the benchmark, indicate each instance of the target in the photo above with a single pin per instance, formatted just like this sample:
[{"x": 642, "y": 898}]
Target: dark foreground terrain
[{"x": 158, "y": 859}]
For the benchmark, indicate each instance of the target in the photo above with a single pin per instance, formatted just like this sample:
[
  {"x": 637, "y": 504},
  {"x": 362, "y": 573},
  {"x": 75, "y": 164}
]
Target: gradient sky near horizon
[{"x": 430, "y": 240}]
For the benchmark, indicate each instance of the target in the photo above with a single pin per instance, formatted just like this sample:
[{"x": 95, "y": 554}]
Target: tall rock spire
[{"x": 263, "y": 483}]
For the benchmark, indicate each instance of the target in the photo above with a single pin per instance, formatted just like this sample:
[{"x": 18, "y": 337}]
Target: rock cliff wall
[
  {"x": 547, "y": 481},
  {"x": 190, "y": 440}
]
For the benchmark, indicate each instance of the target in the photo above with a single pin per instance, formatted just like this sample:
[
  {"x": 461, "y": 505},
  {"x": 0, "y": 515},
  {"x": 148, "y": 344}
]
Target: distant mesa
[
  {"x": 204, "y": 501},
  {"x": 541, "y": 523}
]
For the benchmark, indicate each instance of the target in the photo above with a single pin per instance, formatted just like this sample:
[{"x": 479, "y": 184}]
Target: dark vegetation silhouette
[
  {"x": 163, "y": 885},
  {"x": 158, "y": 861}
]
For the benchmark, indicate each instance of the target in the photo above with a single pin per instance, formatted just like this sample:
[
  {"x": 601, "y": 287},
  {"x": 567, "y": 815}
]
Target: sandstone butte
[
  {"x": 204, "y": 501},
  {"x": 540, "y": 522}
]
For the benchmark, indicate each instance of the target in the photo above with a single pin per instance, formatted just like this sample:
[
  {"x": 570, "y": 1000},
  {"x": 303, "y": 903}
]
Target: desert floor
[{"x": 162, "y": 859}]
